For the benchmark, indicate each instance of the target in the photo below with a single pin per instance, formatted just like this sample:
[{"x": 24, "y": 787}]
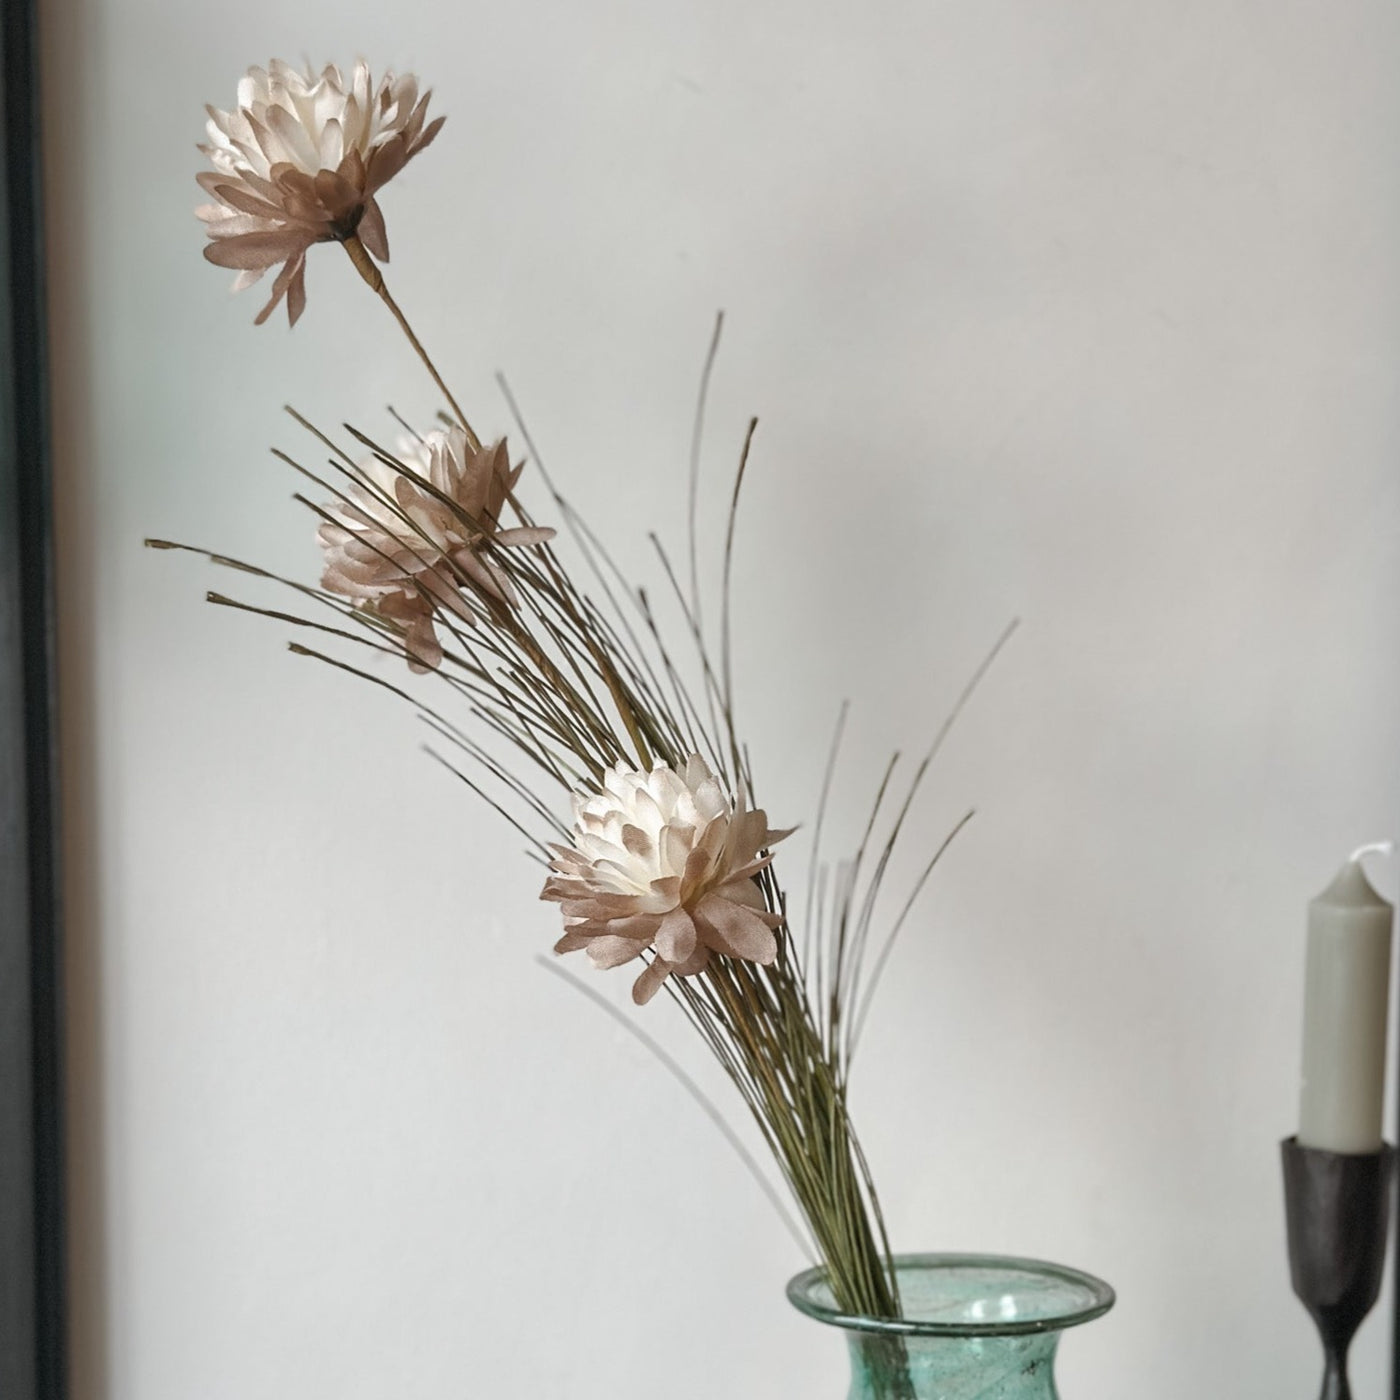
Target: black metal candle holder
[{"x": 1338, "y": 1209}]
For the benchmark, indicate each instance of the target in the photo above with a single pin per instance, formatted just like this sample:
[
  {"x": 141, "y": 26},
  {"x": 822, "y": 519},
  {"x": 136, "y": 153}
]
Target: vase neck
[{"x": 953, "y": 1368}]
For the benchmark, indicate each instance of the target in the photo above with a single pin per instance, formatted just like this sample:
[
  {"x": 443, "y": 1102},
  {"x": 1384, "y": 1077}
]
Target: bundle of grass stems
[{"x": 552, "y": 676}]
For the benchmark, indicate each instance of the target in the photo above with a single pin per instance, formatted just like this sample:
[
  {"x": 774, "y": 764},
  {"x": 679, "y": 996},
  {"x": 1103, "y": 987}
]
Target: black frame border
[{"x": 33, "y": 1333}]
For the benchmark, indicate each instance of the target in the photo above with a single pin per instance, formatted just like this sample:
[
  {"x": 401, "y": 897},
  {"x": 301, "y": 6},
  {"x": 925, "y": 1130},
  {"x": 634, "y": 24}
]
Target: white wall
[{"x": 1086, "y": 312}]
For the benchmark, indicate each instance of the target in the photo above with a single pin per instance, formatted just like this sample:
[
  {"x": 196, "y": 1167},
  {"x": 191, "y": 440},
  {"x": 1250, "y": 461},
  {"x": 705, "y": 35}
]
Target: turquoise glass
[{"x": 975, "y": 1327}]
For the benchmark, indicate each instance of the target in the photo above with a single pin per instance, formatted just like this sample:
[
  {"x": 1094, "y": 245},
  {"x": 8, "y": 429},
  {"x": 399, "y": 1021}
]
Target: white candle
[{"x": 1345, "y": 1001}]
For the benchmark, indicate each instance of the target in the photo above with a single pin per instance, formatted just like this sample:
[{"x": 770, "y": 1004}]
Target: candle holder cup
[{"x": 1338, "y": 1212}]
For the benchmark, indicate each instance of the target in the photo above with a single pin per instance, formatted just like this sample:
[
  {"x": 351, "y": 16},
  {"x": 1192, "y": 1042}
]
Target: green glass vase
[{"x": 975, "y": 1327}]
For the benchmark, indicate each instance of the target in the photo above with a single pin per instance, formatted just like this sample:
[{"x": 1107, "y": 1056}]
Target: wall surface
[{"x": 1086, "y": 313}]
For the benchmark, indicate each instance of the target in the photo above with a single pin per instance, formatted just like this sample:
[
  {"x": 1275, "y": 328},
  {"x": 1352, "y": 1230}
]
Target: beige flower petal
[
  {"x": 279, "y": 290},
  {"x": 695, "y": 963},
  {"x": 372, "y": 232},
  {"x": 650, "y": 982},
  {"x": 241, "y": 198},
  {"x": 676, "y": 937},
  {"x": 639, "y": 927},
  {"x": 296, "y": 289},
  {"x": 733, "y": 929},
  {"x": 609, "y": 951},
  {"x": 254, "y": 249},
  {"x": 742, "y": 890}
]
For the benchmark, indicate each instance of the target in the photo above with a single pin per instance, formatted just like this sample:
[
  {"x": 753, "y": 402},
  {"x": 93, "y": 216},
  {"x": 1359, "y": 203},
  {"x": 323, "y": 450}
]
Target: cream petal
[
  {"x": 621, "y": 871},
  {"x": 710, "y": 800},
  {"x": 360, "y": 86},
  {"x": 238, "y": 196},
  {"x": 523, "y": 535},
  {"x": 617, "y": 781},
  {"x": 666, "y": 787},
  {"x": 647, "y": 813},
  {"x": 697, "y": 771},
  {"x": 676, "y": 844},
  {"x": 224, "y": 224},
  {"x": 657, "y": 904},
  {"x": 697, "y": 867},
  {"x": 264, "y": 143},
  {"x": 295, "y": 139},
  {"x": 247, "y": 277},
  {"x": 332, "y": 142}
]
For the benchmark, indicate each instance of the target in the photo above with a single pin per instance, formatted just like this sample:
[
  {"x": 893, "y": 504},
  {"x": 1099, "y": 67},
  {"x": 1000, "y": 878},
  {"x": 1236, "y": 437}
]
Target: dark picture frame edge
[{"x": 33, "y": 1363}]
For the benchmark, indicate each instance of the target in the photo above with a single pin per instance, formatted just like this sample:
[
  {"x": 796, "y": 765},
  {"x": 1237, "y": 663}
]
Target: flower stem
[{"x": 374, "y": 279}]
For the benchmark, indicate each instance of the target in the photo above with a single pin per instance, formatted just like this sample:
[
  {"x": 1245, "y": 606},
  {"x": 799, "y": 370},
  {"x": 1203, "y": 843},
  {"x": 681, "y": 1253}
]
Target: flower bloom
[
  {"x": 664, "y": 861},
  {"x": 299, "y": 161},
  {"x": 410, "y": 542}
]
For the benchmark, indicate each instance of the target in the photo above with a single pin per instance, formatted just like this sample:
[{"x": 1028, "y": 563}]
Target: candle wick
[{"x": 1377, "y": 848}]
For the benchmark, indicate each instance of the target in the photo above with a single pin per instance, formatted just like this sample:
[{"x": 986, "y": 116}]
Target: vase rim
[{"x": 807, "y": 1292}]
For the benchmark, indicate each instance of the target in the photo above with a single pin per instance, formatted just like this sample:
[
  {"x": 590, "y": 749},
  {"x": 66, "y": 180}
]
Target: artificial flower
[
  {"x": 418, "y": 534},
  {"x": 664, "y": 861},
  {"x": 299, "y": 160}
]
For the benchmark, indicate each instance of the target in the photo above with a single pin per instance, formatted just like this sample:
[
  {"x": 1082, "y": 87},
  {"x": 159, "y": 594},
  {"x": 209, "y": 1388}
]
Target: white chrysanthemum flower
[
  {"x": 298, "y": 161},
  {"x": 664, "y": 861},
  {"x": 406, "y": 550}
]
